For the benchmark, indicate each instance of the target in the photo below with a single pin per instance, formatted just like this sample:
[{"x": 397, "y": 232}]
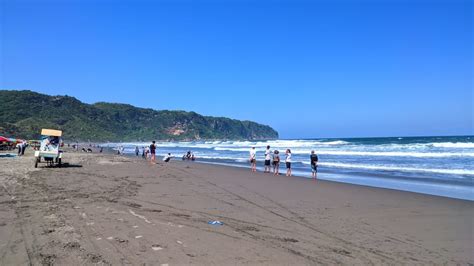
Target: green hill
[{"x": 24, "y": 113}]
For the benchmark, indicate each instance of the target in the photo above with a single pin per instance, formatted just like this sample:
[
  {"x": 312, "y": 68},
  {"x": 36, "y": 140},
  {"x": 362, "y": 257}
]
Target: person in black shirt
[
  {"x": 153, "y": 151},
  {"x": 314, "y": 163}
]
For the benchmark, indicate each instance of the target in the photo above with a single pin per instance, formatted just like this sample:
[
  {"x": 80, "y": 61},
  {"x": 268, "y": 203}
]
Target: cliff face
[{"x": 24, "y": 113}]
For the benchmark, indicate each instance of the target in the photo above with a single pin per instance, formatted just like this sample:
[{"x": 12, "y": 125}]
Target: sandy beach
[{"x": 108, "y": 209}]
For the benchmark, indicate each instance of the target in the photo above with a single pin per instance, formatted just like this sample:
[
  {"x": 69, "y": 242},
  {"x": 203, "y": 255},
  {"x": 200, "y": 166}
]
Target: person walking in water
[
  {"x": 253, "y": 159},
  {"x": 288, "y": 162},
  {"x": 276, "y": 162},
  {"x": 268, "y": 158},
  {"x": 314, "y": 163},
  {"x": 153, "y": 152}
]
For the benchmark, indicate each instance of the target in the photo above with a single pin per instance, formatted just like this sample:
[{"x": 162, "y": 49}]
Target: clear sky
[{"x": 307, "y": 68}]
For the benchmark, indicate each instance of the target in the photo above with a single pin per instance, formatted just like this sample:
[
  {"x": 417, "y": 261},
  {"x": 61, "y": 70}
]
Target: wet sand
[{"x": 108, "y": 209}]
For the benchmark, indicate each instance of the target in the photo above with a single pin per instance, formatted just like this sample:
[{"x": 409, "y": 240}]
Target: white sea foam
[
  {"x": 391, "y": 154},
  {"x": 461, "y": 145},
  {"x": 366, "y": 153},
  {"x": 398, "y": 168}
]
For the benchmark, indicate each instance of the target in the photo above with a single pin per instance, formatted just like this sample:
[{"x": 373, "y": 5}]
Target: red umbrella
[{"x": 3, "y": 139}]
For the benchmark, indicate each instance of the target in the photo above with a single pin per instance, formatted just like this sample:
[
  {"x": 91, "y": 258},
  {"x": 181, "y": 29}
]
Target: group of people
[
  {"x": 89, "y": 149},
  {"x": 149, "y": 153},
  {"x": 189, "y": 156},
  {"x": 272, "y": 158}
]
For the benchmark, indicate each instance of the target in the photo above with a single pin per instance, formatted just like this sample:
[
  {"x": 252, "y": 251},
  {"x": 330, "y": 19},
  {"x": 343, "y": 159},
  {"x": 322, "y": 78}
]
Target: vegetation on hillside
[{"x": 24, "y": 113}]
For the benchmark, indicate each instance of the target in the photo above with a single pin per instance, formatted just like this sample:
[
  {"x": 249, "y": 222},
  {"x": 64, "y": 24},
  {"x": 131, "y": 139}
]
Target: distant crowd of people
[
  {"x": 149, "y": 153},
  {"x": 272, "y": 159}
]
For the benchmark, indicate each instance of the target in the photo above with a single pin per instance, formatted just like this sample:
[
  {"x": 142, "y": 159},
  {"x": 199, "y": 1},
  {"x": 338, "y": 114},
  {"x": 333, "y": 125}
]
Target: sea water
[{"x": 441, "y": 166}]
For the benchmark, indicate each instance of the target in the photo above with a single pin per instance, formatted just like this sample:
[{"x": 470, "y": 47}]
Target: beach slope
[{"x": 106, "y": 209}]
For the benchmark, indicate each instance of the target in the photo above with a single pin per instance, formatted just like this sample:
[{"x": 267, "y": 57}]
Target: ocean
[{"x": 442, "y": 166}]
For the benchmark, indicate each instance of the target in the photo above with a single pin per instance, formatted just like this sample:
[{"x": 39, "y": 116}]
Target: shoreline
[
  {"x": 413, "y": 186},
  {"x": 334, "y": 173},
  {"x": 104, "y": 208},
  {"x": 429, "y": 165}
]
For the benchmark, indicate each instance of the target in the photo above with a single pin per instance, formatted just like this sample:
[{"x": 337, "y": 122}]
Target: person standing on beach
[
  {"x": 147, "y": 152},
  {"x": 23, "y": 148},
  {"x": 288, "y": 162},
  {"x": 153, "y": 151},
  {"x": 137, "y": 151},
  {"x": 268, "y": 158},
  {"x": 314, "y": 163},
  {"x": 253, "y": 159},
  {"x": 276, "y": 162}
]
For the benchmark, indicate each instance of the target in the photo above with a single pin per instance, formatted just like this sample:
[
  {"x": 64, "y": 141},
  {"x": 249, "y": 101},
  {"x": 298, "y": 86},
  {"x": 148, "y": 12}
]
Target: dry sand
[{"x": 107, "y": 209}]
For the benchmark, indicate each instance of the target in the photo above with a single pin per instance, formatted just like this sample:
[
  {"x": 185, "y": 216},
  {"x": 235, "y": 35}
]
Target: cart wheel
[
  {"x": 36, "y": 162},
  {"x": 59, "y": 162}
]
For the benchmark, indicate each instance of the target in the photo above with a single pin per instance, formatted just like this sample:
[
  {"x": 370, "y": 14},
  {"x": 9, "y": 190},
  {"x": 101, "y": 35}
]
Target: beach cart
[{"x": 49, "y": 150}]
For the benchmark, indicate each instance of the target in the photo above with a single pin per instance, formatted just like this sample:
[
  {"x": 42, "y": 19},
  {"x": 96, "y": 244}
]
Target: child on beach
[
  {"x": 276, "y": 162},
  {"x": 147, "y": 153},
  {"x": 314, "y": 163},
  {"x": 167, "y": 158},
  {"x": 268, "y": 158},
  {"x": 288, "y": 162},
  {"x": 253, "y": 159}
]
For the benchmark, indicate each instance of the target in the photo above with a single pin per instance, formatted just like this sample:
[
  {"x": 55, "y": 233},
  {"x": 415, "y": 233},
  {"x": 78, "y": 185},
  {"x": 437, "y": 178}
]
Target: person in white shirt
[
  {"x": 268, "y": 158},
  {"x": 288, "y": 162},
  {"x": 253, "y": 159},
  {"x": 167, "y": 158}
]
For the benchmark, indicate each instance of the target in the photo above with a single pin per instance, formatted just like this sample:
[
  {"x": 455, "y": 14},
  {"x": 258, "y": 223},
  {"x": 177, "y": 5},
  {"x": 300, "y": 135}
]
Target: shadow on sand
[
  {"x": 68, "y": 165},
  {"x": 64, "y": 165}
]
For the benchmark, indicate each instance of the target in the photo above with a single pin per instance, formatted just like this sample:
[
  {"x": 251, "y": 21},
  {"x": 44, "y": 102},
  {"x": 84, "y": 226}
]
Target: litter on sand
[
  {"x": 156, "y": 247},
  {"x": 217, "y": 223}
]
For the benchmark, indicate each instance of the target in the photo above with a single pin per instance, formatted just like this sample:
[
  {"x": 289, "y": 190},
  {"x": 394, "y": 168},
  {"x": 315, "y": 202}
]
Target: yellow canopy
[{"x": 51, "y": 132}]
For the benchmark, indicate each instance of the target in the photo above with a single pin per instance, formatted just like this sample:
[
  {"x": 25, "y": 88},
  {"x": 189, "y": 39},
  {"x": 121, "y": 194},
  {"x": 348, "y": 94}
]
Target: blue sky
[{"x": 307, "y": 68}]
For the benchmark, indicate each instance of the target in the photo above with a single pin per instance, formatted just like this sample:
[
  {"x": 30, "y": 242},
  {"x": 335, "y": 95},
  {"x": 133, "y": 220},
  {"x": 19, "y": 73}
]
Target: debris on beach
[
  {"x": 156, "y": 247},
  {"x": 216, "y": 223}
]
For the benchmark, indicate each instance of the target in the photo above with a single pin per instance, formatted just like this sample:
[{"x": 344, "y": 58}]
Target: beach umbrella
[{"x": 3, "y": 139}]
